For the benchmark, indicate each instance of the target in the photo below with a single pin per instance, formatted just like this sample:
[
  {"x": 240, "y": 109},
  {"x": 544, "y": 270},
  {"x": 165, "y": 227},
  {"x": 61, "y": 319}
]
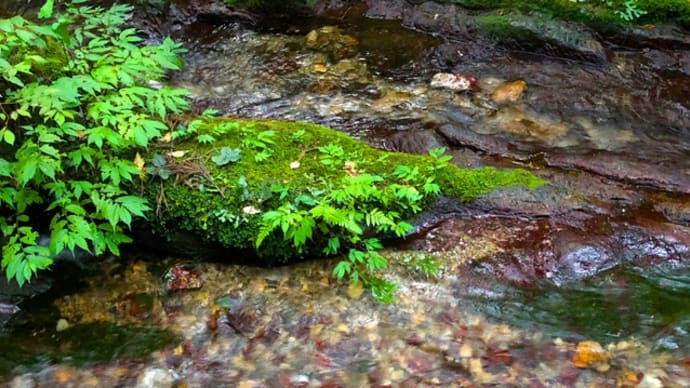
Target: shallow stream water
[{"x": 600, "y": 254}]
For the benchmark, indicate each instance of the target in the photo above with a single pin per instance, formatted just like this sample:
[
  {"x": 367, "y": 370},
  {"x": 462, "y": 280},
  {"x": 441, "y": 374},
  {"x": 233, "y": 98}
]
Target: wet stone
[
  {"x": 415, "y": 141},
  {"x": 627, "y": 168},
  {"x": 509, "y": 91},
  {"x": 331, "y": 40},
  {"x": 156, "y": 378}
]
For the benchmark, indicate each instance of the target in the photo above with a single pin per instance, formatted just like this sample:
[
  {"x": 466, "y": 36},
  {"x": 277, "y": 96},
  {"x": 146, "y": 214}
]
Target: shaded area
[
  {"x": 646, "y": 303},
  {"x": 31, "y": 347}
]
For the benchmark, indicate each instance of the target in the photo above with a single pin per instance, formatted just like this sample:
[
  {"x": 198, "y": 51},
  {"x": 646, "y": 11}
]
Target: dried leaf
[
  {"x": 251, "y": 210},
  {"x": 139, "y": 162},
  {"x": 178, "y": 153}
]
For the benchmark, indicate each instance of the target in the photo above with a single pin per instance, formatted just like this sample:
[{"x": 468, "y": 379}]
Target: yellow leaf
[
  {"x": 320, "y": 68},
  {"x": 167, "y": 138},
  {"x": 139, "y": 162}
]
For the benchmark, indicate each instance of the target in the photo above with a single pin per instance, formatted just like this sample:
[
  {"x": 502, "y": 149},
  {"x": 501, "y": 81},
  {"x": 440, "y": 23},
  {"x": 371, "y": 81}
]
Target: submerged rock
[
  {"x": 627, "y": 169},
  {"x": 154, "y": 377},
  {"x": 454, "y": 82},
  {"x": 509, "y": 91},
  {"x": 330, "y": 40},
  {"x": 211, "y": 208}
]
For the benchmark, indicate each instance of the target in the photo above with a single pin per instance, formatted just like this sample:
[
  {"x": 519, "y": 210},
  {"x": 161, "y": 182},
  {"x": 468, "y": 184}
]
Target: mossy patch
[
  {"x": 592, "y": 12},
  {"x": 537, "y": 32},
  {"x": 227, "y": 209}
]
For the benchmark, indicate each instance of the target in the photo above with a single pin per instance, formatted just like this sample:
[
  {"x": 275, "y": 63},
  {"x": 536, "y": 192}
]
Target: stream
[{"x": 582, "y": 282}]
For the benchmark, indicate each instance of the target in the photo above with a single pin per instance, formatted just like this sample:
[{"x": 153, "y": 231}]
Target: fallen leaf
[
  {"x": 251, "y": 210},
  {"x": 350, "y": 168},
  {"x": 178, "y": 153},
  {"x": 628, "y": 378},
  {"x": 590, "y": 354}
]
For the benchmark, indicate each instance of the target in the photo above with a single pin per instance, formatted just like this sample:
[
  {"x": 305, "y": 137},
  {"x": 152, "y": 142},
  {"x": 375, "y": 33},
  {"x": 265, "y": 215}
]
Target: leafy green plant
[
  {"x": 157, "y": 167},
  {"x": 226, "y": 155},
  {"x": 297, "y": 137},
  {"x": 332, "y": 155},
  {"x": 205, "y": 134},
  {"x": 628, "y": 10},
  {"x": 261, "y": 143},
  {"x": 348, "y": 217},
  {"x": 75, "y": 109}
]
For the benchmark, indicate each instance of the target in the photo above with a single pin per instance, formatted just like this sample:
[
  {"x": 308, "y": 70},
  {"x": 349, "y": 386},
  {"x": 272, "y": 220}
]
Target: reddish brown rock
[{"x": 509, "y": 91}]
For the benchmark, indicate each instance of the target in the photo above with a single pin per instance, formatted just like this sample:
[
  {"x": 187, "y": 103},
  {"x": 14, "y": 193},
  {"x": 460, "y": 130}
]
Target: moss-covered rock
[
  {"x": 536, "y": 32},
  {"x": 593, "y": 12},
  {"x": 279, "y": 161}
]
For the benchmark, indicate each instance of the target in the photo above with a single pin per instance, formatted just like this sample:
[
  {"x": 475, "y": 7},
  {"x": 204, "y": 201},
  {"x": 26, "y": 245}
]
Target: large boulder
[{"x": 216, "y": 194}]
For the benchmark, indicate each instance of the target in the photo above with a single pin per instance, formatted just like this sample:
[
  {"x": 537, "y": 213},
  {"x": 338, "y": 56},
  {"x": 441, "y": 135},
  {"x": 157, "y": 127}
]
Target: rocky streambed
[{"x": 583, "y": 281}]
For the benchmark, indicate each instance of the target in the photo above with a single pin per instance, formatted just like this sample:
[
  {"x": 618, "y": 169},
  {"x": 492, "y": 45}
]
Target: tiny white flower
[{"x": 294, "y": 165}]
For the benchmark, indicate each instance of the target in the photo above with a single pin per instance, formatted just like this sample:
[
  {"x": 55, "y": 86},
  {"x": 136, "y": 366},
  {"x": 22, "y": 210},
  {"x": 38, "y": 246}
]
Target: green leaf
[
  {"x": 356, "y": 256},
  {"x": 135, "y": 205},
  {"x": 7, "y": 136},
  {"x": 28, "y": 171},
  {"x": 205, "y": 139},
  {"x": 303, "y": 232},
  {"x": 333, "y": 246},
  {"x": 341, "y": 269},
  {"x": 46, "y": 10},
  {"x": 225, "y": 156}
]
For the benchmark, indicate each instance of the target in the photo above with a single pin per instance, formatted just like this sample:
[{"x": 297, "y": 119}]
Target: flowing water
[{"x": 601, "y": 254}]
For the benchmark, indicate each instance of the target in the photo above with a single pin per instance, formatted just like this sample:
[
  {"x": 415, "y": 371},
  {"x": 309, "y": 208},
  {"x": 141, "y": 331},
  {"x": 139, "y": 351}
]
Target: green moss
[
  {"x": 593, "y": 12},
  {"x": 200, "y": 208}
]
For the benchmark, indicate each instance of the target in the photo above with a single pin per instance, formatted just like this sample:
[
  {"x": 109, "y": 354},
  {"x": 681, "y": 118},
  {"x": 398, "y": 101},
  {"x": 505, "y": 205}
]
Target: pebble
[
  {"x": 509, "y": 92},
  {"x": 155, "y": 378},
  {"x": 62, "y": 325}
]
